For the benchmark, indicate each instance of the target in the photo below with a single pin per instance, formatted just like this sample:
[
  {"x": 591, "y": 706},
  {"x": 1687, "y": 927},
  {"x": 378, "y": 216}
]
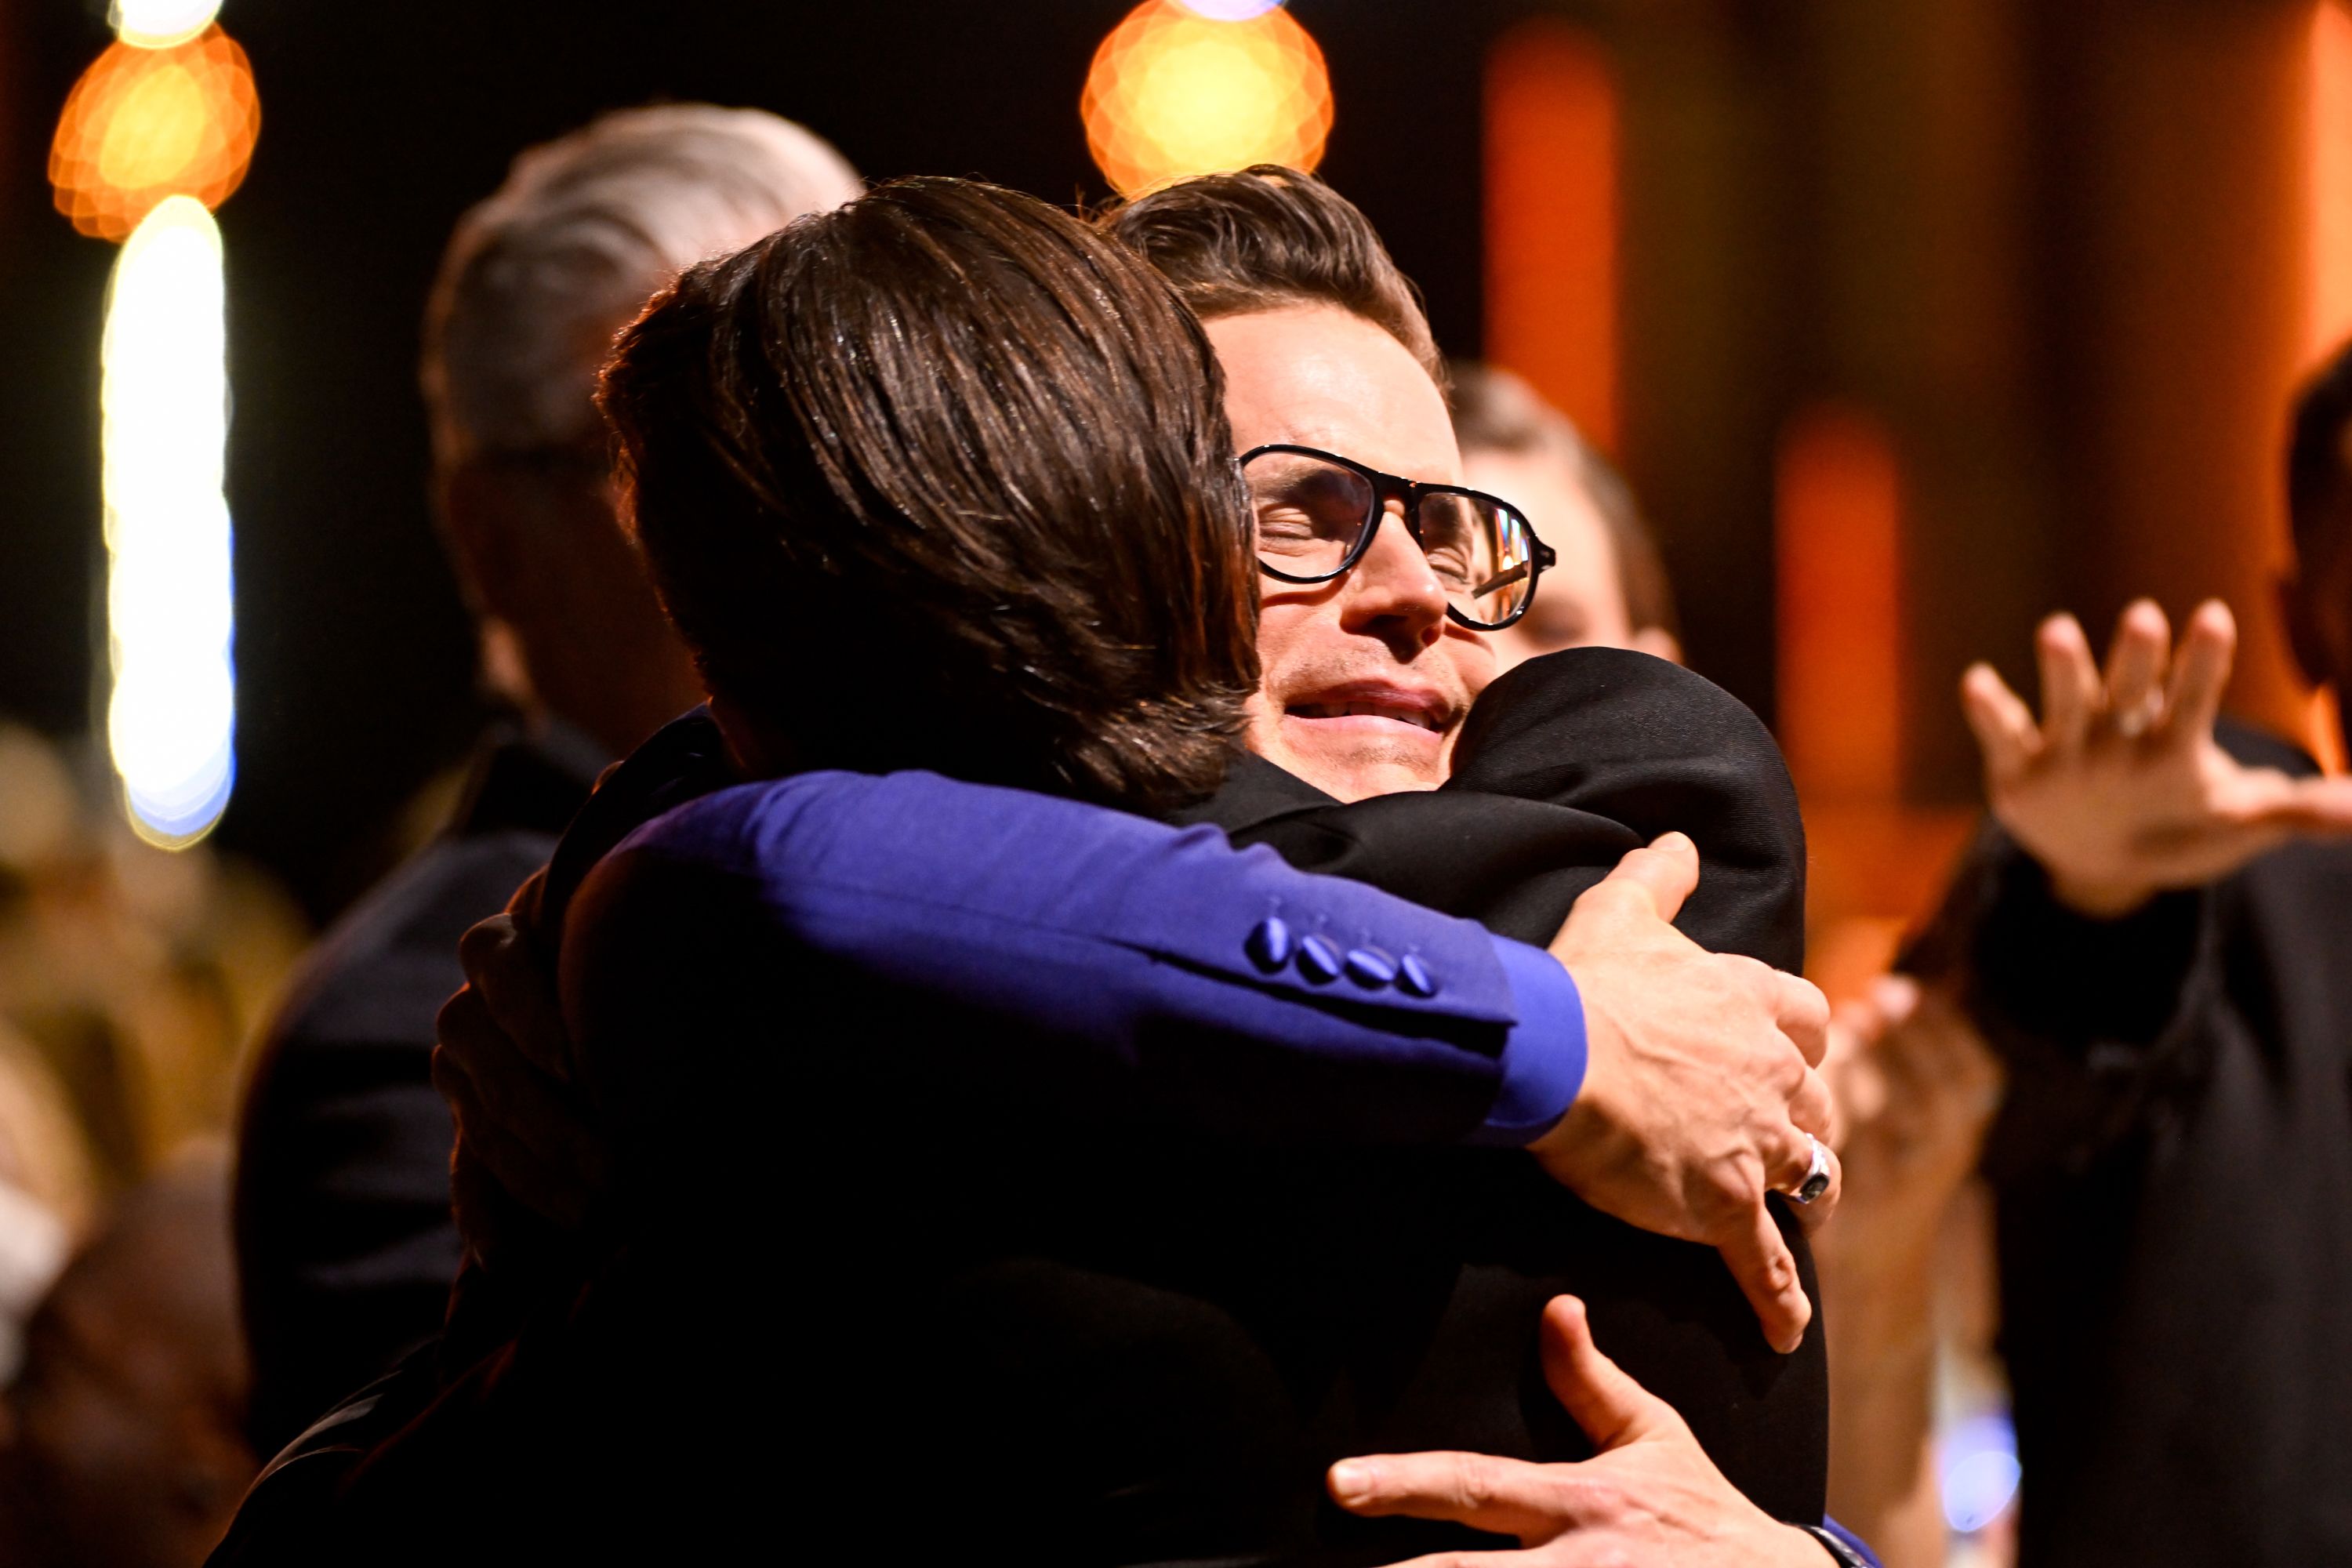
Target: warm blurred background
[{"x": 1910, "y": 321}]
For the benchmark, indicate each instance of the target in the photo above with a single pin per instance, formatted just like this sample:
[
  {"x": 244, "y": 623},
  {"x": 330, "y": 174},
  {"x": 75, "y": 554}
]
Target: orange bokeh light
[
  {"x": 143, "y": 124},
  {"x": 1174, "y": 93}
]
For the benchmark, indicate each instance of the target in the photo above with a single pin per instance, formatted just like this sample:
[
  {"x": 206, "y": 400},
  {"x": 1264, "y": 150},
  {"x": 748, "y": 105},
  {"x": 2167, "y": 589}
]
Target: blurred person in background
[
  {"x": 1914, "y": 1085},
  {"x": 2157, "y": 942},
  {"x": 130, "y": 978},
  {"x": 1907, "y": 1272},
  {"x": 45, "y": 1188},
  {"x": 346, "y": 1250},
  {"x": 1609, "y": 587},
  {"x": 122, "y": 1440}
]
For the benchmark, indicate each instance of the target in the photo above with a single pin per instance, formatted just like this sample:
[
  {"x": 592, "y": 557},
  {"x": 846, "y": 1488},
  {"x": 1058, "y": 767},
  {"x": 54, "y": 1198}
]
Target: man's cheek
[
  {"x": 1475, "y": 661},
  {"x": 1263, "y": 719}
]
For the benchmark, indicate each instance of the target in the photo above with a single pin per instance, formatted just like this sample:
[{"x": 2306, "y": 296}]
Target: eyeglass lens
[{"x": 1310, "y": 512}]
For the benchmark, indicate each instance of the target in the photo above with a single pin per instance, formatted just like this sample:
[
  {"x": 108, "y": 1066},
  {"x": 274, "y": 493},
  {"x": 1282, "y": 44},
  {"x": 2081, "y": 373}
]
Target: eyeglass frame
[{"x": 1386, "y": 487}]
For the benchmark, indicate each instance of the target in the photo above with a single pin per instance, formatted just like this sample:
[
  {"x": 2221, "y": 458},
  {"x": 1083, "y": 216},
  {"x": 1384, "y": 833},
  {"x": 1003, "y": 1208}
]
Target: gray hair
[{"x": 541, "y": 276}]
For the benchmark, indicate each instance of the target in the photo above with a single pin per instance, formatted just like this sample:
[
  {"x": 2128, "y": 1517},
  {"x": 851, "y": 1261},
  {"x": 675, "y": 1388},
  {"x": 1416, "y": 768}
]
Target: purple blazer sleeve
[
  {"x": 1131, "y": 966},
  {"x": 1851, "y": 1542}
]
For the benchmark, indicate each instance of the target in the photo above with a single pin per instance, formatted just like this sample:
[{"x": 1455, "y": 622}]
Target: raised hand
[
  {"x": 1650, "y": 1496},
  {"x": 2121, "y": 791},
  {"x": 1700, "y": 1090}
]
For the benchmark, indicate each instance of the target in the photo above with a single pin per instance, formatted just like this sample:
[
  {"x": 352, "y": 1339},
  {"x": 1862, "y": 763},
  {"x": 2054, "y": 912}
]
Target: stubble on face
[
  {"x": 1366, "y": 680},
  {"x": 1356, "y": 722}
]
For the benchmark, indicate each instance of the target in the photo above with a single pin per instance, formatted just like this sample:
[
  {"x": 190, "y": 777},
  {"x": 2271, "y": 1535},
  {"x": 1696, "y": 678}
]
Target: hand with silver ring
[{"x": 1817, "y": 1175}]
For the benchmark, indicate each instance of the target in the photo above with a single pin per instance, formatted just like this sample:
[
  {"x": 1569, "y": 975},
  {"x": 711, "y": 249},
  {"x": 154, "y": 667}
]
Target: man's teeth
[{"x": 1413, "y": 716}]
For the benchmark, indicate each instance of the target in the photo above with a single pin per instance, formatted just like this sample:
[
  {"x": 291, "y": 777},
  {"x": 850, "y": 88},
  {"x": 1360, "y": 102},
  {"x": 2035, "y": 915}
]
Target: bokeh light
[
  {"x": 1175, "y": 93},
  {"x": 171, "y": 721},
  {"x": 1981, "y": 1472},
  {"x": 1230, "y": 10},
  {"x": 144, "y": 124},
  {"x": 160, "y": 24}
]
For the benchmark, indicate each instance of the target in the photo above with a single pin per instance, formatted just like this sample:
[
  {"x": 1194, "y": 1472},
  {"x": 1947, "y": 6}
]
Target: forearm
[
  {"x": 1882, "y": 1350},
  {"x": 1162, "y": 971},
  {"x": 2037, "y": 968}
]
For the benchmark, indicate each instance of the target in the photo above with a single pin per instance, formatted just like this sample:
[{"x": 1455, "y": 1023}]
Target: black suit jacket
[
  {"x": 345, "y": 1247},
  {"x": 2172, "y": 1171},
  {"x": 1567, "y": 763}
]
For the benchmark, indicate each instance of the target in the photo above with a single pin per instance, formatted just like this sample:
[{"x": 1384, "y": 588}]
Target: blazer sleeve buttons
[
  {"x": 1271, "y": 945},
  {"x": 1414, "y": 977},
  {"x": 1319, "y": 960},
  {"x": 1268, "y": 943}
]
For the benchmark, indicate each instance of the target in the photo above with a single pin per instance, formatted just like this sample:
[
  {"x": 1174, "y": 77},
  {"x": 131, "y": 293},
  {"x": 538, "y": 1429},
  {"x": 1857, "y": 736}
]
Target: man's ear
[
  {"x": 2302, "y": 629},
  {"x": 1658, "y": 642},
  {"x": 478, "y": 515}
]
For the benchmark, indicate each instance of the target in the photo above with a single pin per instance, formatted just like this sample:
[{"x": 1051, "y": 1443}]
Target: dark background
[
  {"x": 380, "y": 124},
  {"x": 2054, "y": 250}
]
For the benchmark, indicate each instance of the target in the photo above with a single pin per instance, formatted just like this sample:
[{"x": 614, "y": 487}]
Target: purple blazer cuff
[{"x": 1543, "y": 1055}]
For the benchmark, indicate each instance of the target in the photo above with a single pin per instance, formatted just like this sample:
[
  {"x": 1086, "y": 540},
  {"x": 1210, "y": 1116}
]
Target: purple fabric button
[
  {"x": 1268, "y": 943},
  {"x": 1319, "y": 960},
  {"x": 1414, "y": 978},
  {"x": 1370, "y": 968}
]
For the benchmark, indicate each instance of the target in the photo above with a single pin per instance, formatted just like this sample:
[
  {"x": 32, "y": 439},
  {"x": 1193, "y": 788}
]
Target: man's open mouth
[{"x": 1421, "y": 713}]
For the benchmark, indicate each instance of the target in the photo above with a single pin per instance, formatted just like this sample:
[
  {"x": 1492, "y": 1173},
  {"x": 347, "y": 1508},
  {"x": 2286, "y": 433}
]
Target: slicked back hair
[
  {"x": 1270, "y": 237},
  {"x": 942, "y": 478}
]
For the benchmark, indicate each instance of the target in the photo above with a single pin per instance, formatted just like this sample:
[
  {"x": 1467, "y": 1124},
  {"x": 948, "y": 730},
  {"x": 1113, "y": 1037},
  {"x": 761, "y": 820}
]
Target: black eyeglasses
[{"x": 1317, "y": 513}]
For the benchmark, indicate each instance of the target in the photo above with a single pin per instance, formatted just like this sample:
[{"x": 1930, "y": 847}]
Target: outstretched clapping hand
[
  {"x": 1699, "y": 1089},
  {"x": 1650, "y": 1496},
  {"x": 2121, "y": 791}
]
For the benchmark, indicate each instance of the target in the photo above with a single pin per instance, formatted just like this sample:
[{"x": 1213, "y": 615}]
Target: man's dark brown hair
[
  {"x": 1270, "y": 237},
  {"x": 942, "y": 478}
]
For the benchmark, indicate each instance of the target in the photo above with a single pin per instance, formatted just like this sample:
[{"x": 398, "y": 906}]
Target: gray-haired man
[{"x": 345, "y": 1245}]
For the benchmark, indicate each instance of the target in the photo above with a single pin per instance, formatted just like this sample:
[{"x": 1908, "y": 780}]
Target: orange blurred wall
[{"x": 1551, "y": 147}]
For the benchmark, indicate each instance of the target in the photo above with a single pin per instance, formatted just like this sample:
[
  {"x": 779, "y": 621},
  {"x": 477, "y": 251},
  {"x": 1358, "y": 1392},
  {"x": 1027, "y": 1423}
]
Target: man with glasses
[
  {"x": 1317, "y": 513},
  {"x": 1383, "y": 580}
]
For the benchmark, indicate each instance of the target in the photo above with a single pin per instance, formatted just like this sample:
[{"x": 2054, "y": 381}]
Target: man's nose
[{"x": 1394, "y": 593}]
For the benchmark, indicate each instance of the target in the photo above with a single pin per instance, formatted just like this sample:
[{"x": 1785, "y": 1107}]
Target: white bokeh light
[
  {"x": 171, "y": 721},
  {"x": 160, "y": 24}
]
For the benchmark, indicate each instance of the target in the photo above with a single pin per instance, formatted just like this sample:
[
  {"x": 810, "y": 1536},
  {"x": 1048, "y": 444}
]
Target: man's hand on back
[
  {"x": 1699, "y": 1089},
  {"x": 504, "y": 1066},
  {"x": 2120, "y": 792},
  {"x": 1650, "y": 1496}
]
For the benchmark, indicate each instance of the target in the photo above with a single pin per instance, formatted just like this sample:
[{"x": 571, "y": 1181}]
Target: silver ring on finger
[
  {"x": 2137, "y": 719},
  {"x": 1817, "y": 1175}
]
